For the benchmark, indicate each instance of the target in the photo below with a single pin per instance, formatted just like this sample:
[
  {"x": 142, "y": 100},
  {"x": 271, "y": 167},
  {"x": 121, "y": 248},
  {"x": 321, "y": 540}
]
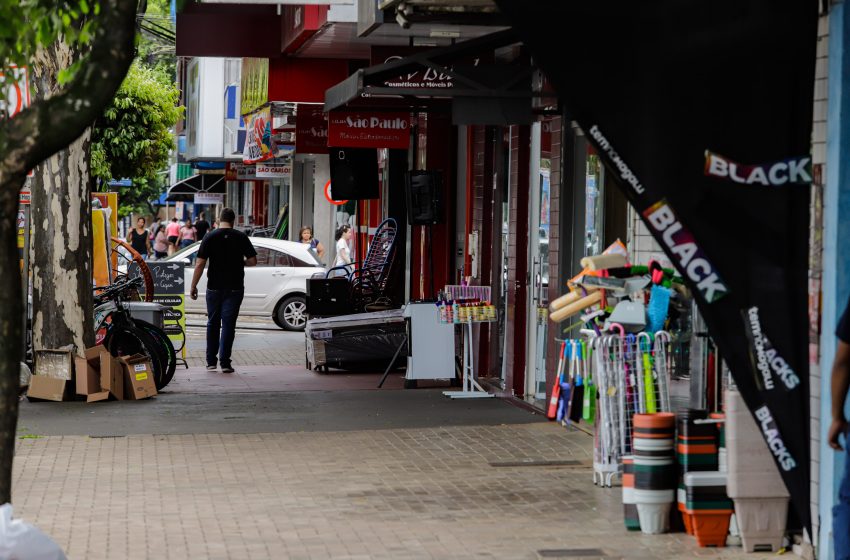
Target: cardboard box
[
  {"x": 138, "y": 377},
  {"x": 87, "y": 376},
  {"x": 47, "y": 388},
  {"x": 58, "y": 363},
  {"x": 111, "y": 376},
  {"x": 108, "y": 375}
]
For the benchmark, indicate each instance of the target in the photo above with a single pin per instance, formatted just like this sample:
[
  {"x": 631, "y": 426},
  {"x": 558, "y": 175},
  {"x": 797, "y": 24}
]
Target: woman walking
[
  {"x": 139, "y": 238},
  {"x": 305, "y": 236},
  {"x": 343, "y": 251},
  {"x": 160, "y": 243},
  {"x": 187, "y": 234}
]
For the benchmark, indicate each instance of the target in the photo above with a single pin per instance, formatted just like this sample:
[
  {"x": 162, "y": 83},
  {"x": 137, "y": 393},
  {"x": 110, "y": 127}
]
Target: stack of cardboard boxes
[{"x": 98, "y": 376}]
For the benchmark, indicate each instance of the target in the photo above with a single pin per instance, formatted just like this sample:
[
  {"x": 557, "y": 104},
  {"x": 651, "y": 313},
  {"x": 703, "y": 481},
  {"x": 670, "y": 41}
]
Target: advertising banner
[
  {"x": 273, "y": 171},
  {"x": 258, "y": 137},
  {"x": 702, "y": 111},
  {"x": 240, "y": 172},
  {"x": 368, "y": 129},
  {"x": 311, "y": 130},
  {"x": 254, "y": 84}
]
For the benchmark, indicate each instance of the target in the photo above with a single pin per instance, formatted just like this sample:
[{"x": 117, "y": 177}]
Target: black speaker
[
  {"x": 424, "y": 193},
  {"x": 328, "y": 297},
  {"x": 354, "y": 173}
]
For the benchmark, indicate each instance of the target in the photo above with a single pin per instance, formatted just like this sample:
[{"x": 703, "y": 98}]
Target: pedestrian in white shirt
[{"x": 343, "y": 251}]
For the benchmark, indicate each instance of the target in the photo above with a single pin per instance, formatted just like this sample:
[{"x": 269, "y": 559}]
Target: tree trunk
[
  {"x": 61, "y": 232},
  {"x": 37, "y": 133},
  {"x": 10, "y": 331}
]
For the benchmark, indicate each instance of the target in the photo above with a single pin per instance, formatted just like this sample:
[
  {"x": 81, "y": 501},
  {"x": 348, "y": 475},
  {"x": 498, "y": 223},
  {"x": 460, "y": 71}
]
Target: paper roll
[
  {"x": 575, "y": 307},
  {"x": 565, "y": 299},
  {"x": 603, "y": 262}
]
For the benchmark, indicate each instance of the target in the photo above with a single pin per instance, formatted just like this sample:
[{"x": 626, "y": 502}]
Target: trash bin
[{"x": 145, "y": 311}]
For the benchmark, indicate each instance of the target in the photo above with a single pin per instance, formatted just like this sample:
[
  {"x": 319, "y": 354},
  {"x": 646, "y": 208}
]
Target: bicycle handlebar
[{"x": 112, "y": 290}]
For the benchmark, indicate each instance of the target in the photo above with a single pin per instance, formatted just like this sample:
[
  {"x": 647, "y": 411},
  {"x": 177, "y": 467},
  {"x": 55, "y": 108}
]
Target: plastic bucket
[
  {"x": 630, "y": 513},
  {"x": 654, "y": 518}
]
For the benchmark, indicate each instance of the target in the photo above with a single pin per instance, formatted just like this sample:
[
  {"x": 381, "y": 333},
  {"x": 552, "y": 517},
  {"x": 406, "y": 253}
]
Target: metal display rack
[{"x": 470, "y": 388}]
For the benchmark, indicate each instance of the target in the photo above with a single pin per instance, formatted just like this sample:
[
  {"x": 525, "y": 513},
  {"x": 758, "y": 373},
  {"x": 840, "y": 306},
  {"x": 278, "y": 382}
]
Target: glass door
[{"x": 538, "y": 267}]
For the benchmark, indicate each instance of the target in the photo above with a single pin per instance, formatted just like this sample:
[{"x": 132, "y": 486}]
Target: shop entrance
[{"x": 538, "y": 263}]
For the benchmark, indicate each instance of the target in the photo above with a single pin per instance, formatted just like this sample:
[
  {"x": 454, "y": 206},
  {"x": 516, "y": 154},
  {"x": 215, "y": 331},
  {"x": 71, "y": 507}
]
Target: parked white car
[{"x": 276, "y": 287}]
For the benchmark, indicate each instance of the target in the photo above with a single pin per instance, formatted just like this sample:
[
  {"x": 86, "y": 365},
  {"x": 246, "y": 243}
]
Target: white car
[{"x": 276, "y": 287}]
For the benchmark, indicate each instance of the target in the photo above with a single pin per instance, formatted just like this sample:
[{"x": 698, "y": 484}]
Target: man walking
[
  {"x": 840, "y": 384},
  {"x": 229, "y": 252},
  {"x": 202, "y": 226}
]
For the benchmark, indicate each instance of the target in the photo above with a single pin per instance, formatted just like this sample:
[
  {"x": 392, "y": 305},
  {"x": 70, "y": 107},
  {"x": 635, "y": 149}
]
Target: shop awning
[
  {"x": 186, "y": 189},
  {"x": 485, "y": 93}
]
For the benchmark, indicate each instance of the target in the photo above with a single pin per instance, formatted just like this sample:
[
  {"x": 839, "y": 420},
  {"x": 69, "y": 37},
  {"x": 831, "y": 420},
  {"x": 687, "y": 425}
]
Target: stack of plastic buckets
[
  {"x": 630, "y": 513},
  {"x": 654, "y": 469},
  {"x": 696, "y": 450},
  {"x": 755, "y": 485},
  {"x": 708, "y": 506}
]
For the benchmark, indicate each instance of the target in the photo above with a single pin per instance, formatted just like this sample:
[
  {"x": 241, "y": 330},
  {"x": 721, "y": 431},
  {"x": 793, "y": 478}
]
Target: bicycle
[{"x": 122, "y": 335}]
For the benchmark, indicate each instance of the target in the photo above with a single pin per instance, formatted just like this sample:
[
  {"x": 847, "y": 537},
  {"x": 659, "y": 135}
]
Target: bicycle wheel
[
  {"x": 127, "y": 340},
  {"x": 169, "y": 353}
]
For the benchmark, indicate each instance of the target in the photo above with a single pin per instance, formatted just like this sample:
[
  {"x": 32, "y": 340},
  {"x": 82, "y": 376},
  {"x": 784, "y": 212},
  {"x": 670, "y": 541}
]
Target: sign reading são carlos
[{"x": 369, "y": 130}]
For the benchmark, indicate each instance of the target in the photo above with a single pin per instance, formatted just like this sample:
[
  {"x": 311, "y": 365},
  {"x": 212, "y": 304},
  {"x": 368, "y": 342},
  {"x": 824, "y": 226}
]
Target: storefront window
[
  {"x": 543, "y": 225},
  {"x": 594, "y": 227}
]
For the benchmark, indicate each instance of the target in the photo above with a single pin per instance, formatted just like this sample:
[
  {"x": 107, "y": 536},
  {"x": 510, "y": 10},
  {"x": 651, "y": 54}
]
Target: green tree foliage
[
  {"x": 133, "y": 139},
  {"x": 28, "y": 25}
]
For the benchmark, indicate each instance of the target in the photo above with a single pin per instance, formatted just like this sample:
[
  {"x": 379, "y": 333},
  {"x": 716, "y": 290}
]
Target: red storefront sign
[
  {"x": 365, "y": 129},
  {"x": 311, "y": 130},
  {"x": 300, "y": 23}
]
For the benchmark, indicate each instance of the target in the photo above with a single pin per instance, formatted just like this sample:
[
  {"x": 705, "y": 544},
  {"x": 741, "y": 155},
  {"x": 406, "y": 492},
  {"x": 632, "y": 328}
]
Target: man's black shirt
[
  {"x": 201, "y": 229},
  {"x": 226, "y": 249}
]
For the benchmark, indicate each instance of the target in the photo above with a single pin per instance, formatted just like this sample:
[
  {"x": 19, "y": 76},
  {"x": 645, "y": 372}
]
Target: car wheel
[{"x": 291, "y": 314}]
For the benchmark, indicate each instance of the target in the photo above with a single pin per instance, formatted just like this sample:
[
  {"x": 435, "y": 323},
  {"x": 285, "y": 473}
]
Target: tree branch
[{"x": 47, "y": 126}]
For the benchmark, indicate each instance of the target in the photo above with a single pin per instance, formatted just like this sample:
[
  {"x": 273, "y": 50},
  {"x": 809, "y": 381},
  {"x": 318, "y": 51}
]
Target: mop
[
  {"x": 577, "y": 397},
  {"x": 564, "y": 402},
  {"x": 556, "y": 387},
  {"x": 588, "y": 411}
]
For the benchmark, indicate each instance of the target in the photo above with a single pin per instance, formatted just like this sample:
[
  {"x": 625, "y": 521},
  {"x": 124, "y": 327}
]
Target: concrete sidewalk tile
[{"x": 394, "y": 494}]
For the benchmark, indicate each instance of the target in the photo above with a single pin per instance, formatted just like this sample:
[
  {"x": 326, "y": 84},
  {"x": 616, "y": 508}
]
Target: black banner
[{"x": 703, "y": 112}]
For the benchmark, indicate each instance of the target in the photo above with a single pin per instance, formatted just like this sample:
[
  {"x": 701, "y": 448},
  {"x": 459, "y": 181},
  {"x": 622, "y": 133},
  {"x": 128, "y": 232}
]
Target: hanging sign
[
  {"x": 717, "y": 165},
  {"x": 254, "y": 84},
  {"x": 240, "y": 172},
  {"x": 258, "y": 137},
  {"x": 273, "y": 171},
  {"x": 209, "y": 198},
  {"x": 311, "y": 130},
  {"x": 368, "y": 129}
]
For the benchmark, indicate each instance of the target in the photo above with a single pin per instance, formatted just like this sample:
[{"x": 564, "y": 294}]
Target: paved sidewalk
[
  {"x": 379, "y": 494},
  {"x": 258, "y": 342}
]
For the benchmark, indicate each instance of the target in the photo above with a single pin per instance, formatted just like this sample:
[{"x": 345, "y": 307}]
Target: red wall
[{"x": 304, "y": 80}]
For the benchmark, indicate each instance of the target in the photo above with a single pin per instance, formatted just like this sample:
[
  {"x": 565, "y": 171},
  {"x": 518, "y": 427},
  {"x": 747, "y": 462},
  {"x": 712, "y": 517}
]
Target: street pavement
[
  {"x": 276, "y": 462},
  {"x": 258, "y": 342}
]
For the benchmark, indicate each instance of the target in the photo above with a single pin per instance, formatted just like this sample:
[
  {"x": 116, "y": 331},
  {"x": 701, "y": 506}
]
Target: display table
[{"x": 470, "y": 388}]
